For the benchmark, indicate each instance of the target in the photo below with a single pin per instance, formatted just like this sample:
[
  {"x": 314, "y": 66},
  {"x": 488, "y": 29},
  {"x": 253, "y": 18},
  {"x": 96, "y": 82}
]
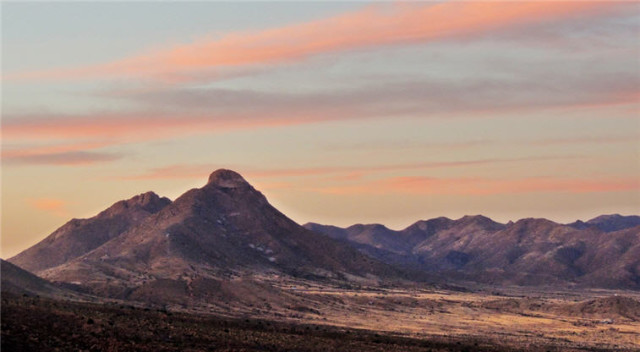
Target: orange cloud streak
[
  {"x": 340, "y": 173},
  {"x": 54, "y": 206},
  {"x": 484, "y": 186},
  {"x": 413, "y": 185},
  {"x": 30, "y": 151},
  {"x": 374, "y": 25},
  {"x": 135, "y": 128}
]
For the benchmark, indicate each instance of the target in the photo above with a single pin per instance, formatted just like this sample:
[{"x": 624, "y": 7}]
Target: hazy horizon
[{"x": 339, "y": 112}]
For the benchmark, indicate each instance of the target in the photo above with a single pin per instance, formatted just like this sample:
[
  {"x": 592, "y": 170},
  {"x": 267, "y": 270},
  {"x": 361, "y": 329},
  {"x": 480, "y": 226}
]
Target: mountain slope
[
  {"x": 223, "y": 230},
  {"x": 79, "y": 236},
  {"x": 19, "y": 281}
]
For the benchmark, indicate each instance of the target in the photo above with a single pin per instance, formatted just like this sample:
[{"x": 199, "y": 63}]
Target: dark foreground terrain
[{"x": 31, "y": 323}]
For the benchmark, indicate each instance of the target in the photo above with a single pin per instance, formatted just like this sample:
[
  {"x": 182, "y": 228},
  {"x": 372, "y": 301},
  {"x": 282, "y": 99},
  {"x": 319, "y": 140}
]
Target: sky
[{"x": 339, "y": 112}]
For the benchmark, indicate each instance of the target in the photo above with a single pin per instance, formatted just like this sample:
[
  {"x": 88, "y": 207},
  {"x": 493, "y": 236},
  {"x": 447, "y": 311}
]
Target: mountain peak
[
  {"x": 226, "y": 179},
  {"x": 532, "y": 224},
  {"x": 475, "y": 218},
  {"x": 614, "y": 222}
]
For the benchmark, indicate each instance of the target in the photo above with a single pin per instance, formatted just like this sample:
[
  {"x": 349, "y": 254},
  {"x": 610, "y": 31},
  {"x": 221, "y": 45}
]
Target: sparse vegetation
[
  {"x": 333, "y": 319},
  {"x": 33, "y": 324}
]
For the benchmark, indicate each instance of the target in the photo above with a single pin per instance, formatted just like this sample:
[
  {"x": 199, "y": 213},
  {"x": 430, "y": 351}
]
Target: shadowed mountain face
[
  {"x": 79, "y": 236},
  {"x": 225, "y": 229},
  {"x": 528, "y": 252}
]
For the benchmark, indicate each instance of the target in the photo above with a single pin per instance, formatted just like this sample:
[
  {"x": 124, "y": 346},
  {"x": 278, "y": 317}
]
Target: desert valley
[{"x": 221, "y": 269}]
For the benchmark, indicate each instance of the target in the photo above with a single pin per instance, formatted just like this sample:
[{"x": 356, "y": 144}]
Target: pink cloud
[
  {"x": 344, "y": 173},
  {"x": 81, "y": 153},
  {"x": 13, "y": 152},
  {"x": 77, "y": 158},
  {"x": 586, "y": 140},
  {"x": 371, "y": 26},
  {"x": 117, "y": 128}
]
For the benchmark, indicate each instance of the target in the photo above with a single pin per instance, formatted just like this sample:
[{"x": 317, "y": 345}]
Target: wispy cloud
[
  {"x": 82, "y": 153},
  {"x": 474, "y": 144},
  {"x": 167, "y": 112},
  {"x": 181, "y": 112},
  {"x": 371, "y": 179},
  {"x": 372, "y": 26},
  {"x": 586, "y": 140},
  {"x": 129, "y": 127},
  {"x": 68, "y": 158},
  {"x": 560, "y": 86},
  {"x": 53, "y": 206},
  {"x": 200, "y": 171},
  {"x": 171, "y": 112},
  {"x": 483, "y": 186}
]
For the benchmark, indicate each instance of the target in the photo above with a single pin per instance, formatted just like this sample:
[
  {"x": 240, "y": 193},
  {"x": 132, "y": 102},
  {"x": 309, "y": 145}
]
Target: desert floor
[{"x": 326, "y": 318}]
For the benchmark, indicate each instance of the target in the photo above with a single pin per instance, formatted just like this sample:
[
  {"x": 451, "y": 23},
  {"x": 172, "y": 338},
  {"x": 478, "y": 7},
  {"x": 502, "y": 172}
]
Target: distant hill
[
  {"x": 527, "y": 252},
  {"x": 19, "y": 281},
  {"x": 609, "y": 223}
]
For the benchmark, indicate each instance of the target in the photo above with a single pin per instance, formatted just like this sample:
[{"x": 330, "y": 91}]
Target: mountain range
[
  {"x": 602, "y": 252},
  {"x": 224, "y": 242}
]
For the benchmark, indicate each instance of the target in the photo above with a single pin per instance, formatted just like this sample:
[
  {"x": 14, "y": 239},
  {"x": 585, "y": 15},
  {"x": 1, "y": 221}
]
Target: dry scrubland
[
  {"x": 593, "y": 320},
  {"x": 518, "y": 317},
  {"x": 39, "y": 324},
  {"x": 325, "y": 318}
]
